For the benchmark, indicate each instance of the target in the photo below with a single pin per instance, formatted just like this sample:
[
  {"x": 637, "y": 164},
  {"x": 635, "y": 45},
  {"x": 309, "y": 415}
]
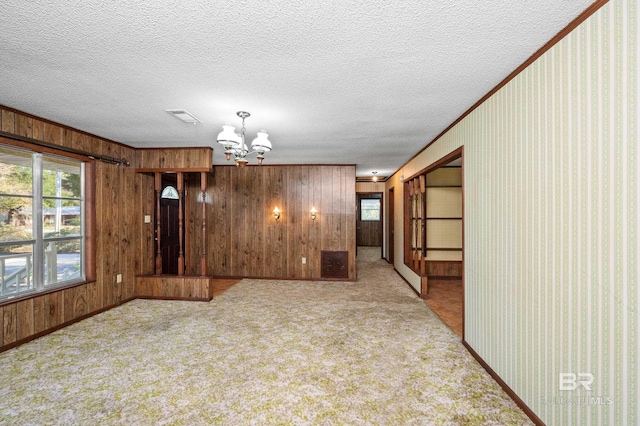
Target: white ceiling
[{"x": 333, "y": 82}]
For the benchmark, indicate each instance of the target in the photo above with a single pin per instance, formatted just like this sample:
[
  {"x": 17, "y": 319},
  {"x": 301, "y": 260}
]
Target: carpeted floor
[{"x": 264, "y": 352}]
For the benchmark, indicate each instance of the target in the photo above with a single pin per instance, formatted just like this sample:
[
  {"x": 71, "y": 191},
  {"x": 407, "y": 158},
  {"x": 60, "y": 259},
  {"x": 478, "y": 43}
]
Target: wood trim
[
  {"x": 173, "y": 170},
  {"x": 90, "y": 221},
  {"x": 593, "y": 8},
  {"x": 61, "y": 325},
  {"x": 424, "y": 287},
  {"x": 266, "y": 166},
  {"x": 45, "y": 147},
  {"x": 181, "y": 223},
  {"x": 381, "y": 220},
  {"x": 463, "y": 276},
  {"x": 228, "y": 277},
  {"x": 528, "y": 411},
  {"x": 457, "y": 153},
  {"x": 187, "y": 299},
  {"x": 191, "y": 277},
  {"x": 157, "y": 184},
  {"x": 203, "y": 254},
  {"x": 53, "y": 123},
  {"x": 442, "y": 268},
  {"x": 405, "y": 280},
  {"x": 406, "y": 221},
  {"x": 367, "y": 179},
  {"x": 170, "y": 148},
  {"x": 391, "y": 226},
  {"x": 36, "y": 146}
]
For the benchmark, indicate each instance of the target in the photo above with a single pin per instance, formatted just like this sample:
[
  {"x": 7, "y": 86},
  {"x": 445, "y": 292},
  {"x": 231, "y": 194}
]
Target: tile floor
[{"x": 446, "y": 299}]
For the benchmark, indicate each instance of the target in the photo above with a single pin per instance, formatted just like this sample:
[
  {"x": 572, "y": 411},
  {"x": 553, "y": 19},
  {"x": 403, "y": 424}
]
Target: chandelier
[{"x": 234, "y": 142}]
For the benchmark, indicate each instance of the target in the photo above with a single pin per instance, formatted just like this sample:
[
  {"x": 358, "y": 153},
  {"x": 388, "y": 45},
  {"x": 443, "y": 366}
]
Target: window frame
[{"x": 38, "y": 241}]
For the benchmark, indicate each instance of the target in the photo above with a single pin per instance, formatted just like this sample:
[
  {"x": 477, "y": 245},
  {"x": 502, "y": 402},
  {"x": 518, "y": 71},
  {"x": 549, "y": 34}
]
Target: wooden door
[
  {"x": 369, "y": 219},
  {"x": 169, "y": 228}
]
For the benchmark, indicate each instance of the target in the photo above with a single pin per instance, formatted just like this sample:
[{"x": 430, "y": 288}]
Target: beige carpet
[{"x": 264, "y": 352}]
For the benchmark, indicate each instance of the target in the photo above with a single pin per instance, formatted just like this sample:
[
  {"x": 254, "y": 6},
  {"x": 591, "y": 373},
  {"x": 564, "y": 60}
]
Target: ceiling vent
[{"x": 184, "y": 116}]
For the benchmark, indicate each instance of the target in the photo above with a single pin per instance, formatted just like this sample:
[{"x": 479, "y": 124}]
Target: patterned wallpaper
[{"x": 551, "y": 225}]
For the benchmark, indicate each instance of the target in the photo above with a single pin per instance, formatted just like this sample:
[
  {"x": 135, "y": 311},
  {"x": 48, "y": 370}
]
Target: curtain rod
[{"x": 103, "y": 158}]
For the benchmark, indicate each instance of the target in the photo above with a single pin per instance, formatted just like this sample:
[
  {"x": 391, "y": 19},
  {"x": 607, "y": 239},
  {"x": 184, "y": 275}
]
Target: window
[
  {"x": 170, "y": 193},
  {"x": 370, "y": 209},
  {"x": 42, "y": 226}
]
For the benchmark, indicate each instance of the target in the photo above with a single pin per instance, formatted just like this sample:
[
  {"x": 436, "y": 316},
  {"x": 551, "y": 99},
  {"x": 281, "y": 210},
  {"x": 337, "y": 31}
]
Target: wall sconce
[
  {"x": 276, "y": 213},
  {"x": 313, "y": 213}
]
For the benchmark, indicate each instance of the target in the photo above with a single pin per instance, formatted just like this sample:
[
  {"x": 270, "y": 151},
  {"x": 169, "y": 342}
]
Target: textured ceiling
[{"x": 333, "y": 82}]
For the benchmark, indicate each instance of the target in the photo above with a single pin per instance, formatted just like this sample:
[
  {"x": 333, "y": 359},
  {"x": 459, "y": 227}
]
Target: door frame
[
  {"x": 391, "y": 226},
  {"x": 381, "y": 236},
  {"x": 162, "y": 180}
]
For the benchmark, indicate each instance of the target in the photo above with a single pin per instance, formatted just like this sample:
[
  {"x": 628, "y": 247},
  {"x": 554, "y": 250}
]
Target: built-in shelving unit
[{"x": 443, "y": 201}]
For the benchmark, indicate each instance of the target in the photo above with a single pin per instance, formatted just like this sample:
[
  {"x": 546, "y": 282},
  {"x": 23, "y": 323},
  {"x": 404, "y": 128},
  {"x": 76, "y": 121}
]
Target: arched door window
[{"x": 170, "y": 193}]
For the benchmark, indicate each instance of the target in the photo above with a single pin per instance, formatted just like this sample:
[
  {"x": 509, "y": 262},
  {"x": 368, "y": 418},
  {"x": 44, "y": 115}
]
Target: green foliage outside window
[{"x": 369, "y": 209}]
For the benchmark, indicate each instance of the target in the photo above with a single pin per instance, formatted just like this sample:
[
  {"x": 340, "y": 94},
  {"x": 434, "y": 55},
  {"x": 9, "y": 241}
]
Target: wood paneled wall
[
  {"x": 118, "y": 218},
  {"x": 244, "y": 239},
  {"x": 174, "y": 159},
  {"x": 174, "y": 287}
]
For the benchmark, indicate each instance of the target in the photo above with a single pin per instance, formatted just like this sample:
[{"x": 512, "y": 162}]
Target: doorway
[
  {"x": 444, "y": 217},
  {"x": 170, "y": 225},
  {"x": 369, "y": 220},
  {"x": 391, "y": 227}
]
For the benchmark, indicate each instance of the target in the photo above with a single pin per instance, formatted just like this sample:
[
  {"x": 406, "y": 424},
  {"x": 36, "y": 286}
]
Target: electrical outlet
[
  {"x": 304, "y": 260},
  {"x": 147, "y": 218},
  {"x": 119, "y": 278}
]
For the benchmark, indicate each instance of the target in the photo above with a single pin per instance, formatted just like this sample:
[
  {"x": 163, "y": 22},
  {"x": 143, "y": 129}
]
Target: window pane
[
  {"x": 60, "y": 178},
  {"x": 62, "y": 261},
  {"x": 15, "y": 172},
  {"x": 15, "y": 218},
  {"x": 63, "y": 220},
  {"x": 16, "y": 269},
  {"x": 170, "y": 192},
  {"x": 369, "y": 209}
]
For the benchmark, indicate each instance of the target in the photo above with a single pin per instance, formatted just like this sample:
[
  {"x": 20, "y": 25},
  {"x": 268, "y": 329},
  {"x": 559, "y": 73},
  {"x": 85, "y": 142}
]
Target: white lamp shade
[
  {"x": 228, "y": 136},
  {"x": 261, "y": 143}
]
